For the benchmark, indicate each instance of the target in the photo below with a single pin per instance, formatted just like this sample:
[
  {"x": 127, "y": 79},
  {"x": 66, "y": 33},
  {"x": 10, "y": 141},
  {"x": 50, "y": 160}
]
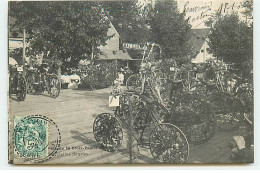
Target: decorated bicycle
[
  {"x": 40, "y": 78},
  {"x": 141, "y": 112},
  {"x": 17, "y": 82},
  {"x": 227, "y": 94},
  {"x": 179, "y": 101}
]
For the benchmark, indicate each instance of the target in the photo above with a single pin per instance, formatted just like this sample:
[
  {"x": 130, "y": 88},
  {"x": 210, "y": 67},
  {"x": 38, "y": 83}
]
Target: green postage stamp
[{"x": 30, "y": 137}]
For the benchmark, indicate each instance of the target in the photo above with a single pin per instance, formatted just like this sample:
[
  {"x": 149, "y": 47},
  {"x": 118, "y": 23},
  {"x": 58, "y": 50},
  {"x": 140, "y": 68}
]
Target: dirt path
[{"x": 74, "y": 112}]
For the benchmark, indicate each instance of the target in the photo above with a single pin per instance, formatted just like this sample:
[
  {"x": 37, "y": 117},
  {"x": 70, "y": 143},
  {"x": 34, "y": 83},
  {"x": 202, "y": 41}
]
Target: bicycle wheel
[
  {"x": 21, "y": 93},
  {"x": 172, "y": 94},
  {"x": 108, "y": 131},
  {"x": 245, "y": 93},
  {"x": 195, "y": 118},
  {"x": 54, "y": 86},
  {"x": 30, "y": 84},
  {"x": 168, "y": 144},
  {"x": 142, "y": 119},
  {"x": 246, "y": 96},
  {"x": 228, "y": 110},
  {"x": 134, "y": 83}
]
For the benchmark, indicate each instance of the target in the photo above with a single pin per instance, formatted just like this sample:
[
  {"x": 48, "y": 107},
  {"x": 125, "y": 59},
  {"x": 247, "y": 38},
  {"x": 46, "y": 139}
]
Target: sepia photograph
[{"x": 141, "y": 82}]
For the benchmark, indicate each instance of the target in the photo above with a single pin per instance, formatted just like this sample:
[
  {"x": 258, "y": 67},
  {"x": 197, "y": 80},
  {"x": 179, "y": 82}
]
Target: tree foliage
[
  {"x": 70, "y": 30},
  {"x": 127, "y": 19},
  {"x": 61, "y": 30},
  {"x": 231, "y": 40},
  {"x": 171, "y": 30}
]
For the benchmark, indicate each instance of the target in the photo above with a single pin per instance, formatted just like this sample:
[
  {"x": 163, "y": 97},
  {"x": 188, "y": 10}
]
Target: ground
[{"x": 74, "y": 112}]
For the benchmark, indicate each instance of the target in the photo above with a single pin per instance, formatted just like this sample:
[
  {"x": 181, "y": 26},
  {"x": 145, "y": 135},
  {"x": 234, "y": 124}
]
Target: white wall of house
[
  {"x": 112, "y": 44},
  {"x": 203, "y": 54},
  {"x": 16, "y": 43}
]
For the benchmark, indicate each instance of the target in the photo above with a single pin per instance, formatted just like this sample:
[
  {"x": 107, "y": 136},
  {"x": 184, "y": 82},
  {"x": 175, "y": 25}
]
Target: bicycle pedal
[{"x": 143, "y": 145}]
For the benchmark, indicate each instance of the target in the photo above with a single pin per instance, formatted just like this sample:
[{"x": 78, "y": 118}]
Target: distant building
[
  {"x": 16, "y": 42},
  {"x": 200, "y": 46},
  {"x": 15, "y": 37},
  {"x": 112, "y": 51}
]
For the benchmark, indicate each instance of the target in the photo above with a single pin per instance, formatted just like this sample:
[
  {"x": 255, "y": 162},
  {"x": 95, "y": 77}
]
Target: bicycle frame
[{"x": 147, "y": 108}]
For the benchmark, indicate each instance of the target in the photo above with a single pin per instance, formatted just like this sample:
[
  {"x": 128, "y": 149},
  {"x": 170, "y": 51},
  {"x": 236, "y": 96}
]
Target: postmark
[{"x": 36, "y": 138}]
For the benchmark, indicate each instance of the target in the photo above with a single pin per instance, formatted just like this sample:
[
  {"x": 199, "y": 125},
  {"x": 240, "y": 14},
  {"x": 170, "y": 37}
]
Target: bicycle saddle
[
  {"x": 210, "y": 84},
  {"x": 148, "y": 99},
  {"x": 206, "y": 83},
  {"x": 175, "y": 81}
]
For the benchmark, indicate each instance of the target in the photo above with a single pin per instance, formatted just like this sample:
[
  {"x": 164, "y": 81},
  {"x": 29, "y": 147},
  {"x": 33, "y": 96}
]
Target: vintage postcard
[{"x": 131, "y": 82}]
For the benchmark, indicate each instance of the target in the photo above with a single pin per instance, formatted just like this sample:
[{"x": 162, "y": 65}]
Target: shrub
[{"x": 99, "y": 74}]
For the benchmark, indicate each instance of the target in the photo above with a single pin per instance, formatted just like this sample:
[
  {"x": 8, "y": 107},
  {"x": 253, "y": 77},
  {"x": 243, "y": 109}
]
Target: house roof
[
  {"x": 118, "y": 55},
  {"x": 198, "y": 38}
]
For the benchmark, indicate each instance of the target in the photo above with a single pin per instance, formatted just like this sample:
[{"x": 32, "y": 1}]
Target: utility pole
[
  {"x": 92, "y": 53},
  {"x": 130, "y": 130},
  {"x": 24, "y": 45}
]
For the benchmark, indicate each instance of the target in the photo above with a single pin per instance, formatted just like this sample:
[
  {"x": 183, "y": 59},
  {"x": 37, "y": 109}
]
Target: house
[
  {"x": 199, "y": 41},
  {"x": 16, "y": 42},
  {"x": 112, "y": 51},
  {"x": 15, "y": 37}
]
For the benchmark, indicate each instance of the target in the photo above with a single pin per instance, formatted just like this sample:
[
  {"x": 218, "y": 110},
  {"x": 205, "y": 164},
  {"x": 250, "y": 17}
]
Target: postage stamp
[{"x": 31, "y": 138}]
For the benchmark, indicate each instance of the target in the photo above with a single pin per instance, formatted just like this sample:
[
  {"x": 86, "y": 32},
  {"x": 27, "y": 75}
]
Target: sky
[{"x": 200, "y": 10}]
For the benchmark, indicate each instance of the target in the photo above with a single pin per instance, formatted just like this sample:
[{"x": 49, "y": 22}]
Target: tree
[
  {"x": 128, "y": 21},
  {"x": 61, "y": 30},
  {"x": 171, "y": 30},
  {"x": 231, "y": 40},
  {"x": 248, "y": 12}
]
